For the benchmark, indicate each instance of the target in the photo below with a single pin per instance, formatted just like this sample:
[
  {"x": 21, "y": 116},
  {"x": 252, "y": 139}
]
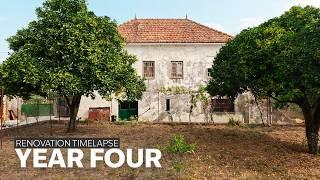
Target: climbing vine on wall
[{"x": 199, "y": 96}]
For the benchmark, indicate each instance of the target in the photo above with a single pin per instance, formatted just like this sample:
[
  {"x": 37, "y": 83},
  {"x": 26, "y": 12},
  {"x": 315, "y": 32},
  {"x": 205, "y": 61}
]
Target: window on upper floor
[
  {"x": 148, "y": 69},
  {"x": 176, "y": 69}
]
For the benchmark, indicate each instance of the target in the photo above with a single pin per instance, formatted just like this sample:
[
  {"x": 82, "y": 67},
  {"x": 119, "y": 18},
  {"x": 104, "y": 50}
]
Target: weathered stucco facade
[{"x": 197, "y": 58}]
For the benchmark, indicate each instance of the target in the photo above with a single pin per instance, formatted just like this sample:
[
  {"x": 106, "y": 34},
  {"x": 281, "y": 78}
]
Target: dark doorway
[{"x": 167, "y": 105}]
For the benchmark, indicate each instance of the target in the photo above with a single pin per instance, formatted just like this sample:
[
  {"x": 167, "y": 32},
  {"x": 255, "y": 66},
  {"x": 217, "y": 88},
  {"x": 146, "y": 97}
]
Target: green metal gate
[
  {"x": 33, "y": 110},
  {"x": 128, "y": 110}
]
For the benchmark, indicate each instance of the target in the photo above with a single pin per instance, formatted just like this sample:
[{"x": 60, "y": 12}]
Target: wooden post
[
  {"x": 270, "y": 112},
  {"x": 1, "y": 115},
  {"x": 50, "y": 106},
  {"x": 111, "y": 111},
  {"x": 158, "y": 103},
  {"x": 37, "y": 112},
  {"x": 267, "y": 110},
  {"x": 17, "y": 112},
  {"x": 59, "y": 108}
]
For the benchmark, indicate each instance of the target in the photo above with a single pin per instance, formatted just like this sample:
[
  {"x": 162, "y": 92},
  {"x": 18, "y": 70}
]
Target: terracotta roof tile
[{"x": 170, "y": 31}]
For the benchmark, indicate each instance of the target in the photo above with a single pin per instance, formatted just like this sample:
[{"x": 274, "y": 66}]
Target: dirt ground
[{"x": 221, "y": 152}]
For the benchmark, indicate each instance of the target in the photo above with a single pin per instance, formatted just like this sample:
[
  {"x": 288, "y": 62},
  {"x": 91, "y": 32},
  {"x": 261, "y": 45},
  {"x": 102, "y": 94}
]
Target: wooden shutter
[
  {"x": 174, "y": 70},
  {"x": 177, "y": 69}
]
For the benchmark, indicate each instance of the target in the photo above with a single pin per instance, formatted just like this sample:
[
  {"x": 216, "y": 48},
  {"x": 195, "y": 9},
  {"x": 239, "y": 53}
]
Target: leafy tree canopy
[
  {"x": 70, "y": 50},
  {"x": 280, "y": 59}
]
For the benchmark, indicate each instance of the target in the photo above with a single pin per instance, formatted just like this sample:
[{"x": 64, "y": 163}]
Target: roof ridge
[
  {"x": 160, "y": 19},
  {"x": 137, "y": 19},
  {"x": 210, "y": 28}
]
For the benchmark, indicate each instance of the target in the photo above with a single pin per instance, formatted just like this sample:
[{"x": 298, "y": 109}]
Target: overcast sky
[{"x": 230, "y": 16}]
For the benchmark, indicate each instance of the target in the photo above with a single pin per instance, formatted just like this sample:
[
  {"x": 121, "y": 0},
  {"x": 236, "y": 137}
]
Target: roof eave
[{"x": 175, "y": 43}]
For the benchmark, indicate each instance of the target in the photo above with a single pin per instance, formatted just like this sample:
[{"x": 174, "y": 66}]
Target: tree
[
  {"x": 279, "y": 59},
  {"x": 71, "y": 51}
]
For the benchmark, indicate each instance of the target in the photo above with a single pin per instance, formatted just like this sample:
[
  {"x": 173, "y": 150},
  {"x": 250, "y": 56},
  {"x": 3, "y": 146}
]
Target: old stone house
[{"x": 174, "y": 56}]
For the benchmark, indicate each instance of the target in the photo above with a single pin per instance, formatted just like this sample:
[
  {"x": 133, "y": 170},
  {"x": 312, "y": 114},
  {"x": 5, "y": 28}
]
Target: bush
[
  {"x": 234, "y": 122},
  {"x": 178, "y": 145}
]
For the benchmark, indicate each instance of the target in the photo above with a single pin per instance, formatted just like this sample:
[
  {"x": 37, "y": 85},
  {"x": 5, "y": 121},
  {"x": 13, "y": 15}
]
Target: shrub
[
  {"x": 178, "y": 145},
  {"x": 235, "y": 122},
  {"x": 133, "y": 118}
]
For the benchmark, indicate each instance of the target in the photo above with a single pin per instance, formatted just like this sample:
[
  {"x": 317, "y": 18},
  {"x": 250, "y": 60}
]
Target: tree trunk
[
  {"x": 312, "y": 133},
  {"x": 312, "y": 128},
  {"x": 74, "y": 107}
]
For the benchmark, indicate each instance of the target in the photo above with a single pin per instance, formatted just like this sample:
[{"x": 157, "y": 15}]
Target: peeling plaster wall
[
  {"x": 153, "y": 108},
  {"x": 97, "y": 102},
  {"x": 13, "y": 104},
  {"x": 251, "y": 112},
  {"x": 197, "y": 58}
]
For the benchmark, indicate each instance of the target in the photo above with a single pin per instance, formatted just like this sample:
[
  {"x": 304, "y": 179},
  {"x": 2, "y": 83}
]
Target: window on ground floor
[
  {"x": 208, "y": 72},
  {"x": 222, "y": 105},
  {"x": 168, "y": 105}
]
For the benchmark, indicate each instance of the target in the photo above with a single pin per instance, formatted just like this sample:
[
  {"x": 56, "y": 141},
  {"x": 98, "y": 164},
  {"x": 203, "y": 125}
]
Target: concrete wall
[
  {"x": 13, "y": 104},
  {"x": 98, "y": 101}
]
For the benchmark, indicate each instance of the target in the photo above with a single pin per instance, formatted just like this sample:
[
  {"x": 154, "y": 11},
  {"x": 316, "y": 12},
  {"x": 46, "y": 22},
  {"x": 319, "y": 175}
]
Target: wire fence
[{"x": 16, "y": 112}]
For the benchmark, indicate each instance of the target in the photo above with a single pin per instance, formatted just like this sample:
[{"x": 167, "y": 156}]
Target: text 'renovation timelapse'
[{"x": 67, "y": 143}]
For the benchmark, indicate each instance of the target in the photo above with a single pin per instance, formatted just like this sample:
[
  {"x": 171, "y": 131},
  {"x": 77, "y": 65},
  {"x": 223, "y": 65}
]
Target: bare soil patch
[{"x": 221, "y": 152}]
